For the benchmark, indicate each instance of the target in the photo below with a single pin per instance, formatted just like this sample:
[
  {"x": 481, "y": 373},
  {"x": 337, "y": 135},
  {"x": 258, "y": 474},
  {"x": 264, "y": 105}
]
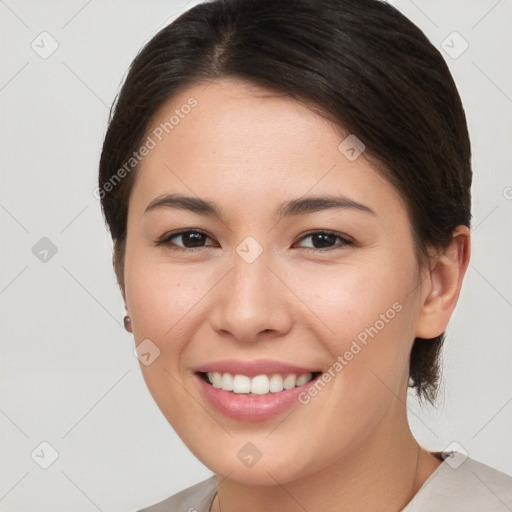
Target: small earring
[
  {"x": 410, "y": 382},
  {"x": 127, "y": 323}
]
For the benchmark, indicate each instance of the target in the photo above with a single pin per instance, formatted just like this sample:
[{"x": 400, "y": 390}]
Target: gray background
[{"x": 68, "y": 374}]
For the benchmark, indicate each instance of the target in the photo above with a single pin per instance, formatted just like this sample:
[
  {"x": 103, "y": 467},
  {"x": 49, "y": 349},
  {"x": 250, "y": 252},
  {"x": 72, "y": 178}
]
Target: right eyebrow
[{"x": 193, "y": 204}]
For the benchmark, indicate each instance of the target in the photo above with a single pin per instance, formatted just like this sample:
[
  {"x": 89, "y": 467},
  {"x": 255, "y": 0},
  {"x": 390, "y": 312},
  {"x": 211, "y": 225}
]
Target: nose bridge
[
  {"x": 252, "y": 300},
  {"x": 251, "y": 274}
]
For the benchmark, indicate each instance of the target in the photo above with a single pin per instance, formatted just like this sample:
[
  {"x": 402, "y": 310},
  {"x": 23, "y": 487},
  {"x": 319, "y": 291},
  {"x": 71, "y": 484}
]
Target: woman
[{"x": 287, "y": 185}]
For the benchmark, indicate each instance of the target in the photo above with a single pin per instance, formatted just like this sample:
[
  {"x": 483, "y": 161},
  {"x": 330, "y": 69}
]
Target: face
[{"x": 255, "y": 279}]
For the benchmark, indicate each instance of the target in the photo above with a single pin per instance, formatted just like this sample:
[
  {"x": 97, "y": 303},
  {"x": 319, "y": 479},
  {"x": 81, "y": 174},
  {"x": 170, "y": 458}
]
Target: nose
[{"x": 252, "y": 302}]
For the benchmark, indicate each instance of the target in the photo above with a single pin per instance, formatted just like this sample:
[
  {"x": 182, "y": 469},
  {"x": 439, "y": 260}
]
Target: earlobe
[
  {"x": 128, "y": 323},
  {"x": 443, "y": 284}
]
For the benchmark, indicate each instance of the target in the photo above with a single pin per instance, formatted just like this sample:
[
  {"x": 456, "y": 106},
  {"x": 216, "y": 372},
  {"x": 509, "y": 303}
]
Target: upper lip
[{"x": 252, "y": 368}]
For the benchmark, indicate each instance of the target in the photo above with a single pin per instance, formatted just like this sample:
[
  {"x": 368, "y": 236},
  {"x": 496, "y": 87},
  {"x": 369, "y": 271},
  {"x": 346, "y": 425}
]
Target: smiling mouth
[{"x": 258, "y": 385}]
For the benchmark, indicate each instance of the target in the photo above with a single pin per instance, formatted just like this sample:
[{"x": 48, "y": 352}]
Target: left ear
[{"x": 443, "y": 284}]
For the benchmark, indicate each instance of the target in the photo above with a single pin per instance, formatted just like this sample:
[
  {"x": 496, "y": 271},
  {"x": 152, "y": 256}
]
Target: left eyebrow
[
  {"x": 300, "y": 206},
  {"x": 312, "y": 204}
]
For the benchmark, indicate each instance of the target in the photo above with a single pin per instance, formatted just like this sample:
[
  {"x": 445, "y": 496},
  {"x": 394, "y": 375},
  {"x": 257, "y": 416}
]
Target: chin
[{"x": 239, "y": 460}]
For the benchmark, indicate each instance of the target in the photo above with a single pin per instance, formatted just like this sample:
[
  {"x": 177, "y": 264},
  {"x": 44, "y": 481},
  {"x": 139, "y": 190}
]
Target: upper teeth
[{"x": 259, "y": 385}]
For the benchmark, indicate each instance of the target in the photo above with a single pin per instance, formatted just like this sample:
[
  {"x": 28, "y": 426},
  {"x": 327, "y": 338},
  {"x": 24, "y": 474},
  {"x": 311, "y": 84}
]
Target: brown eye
[
  {"x": 185, "y": 239},
  {"x": 326, "y": 240}
]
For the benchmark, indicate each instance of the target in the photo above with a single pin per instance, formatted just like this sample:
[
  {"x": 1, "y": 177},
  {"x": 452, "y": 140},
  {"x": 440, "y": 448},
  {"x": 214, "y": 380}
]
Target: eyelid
[
  {"x": 165, "y": 240},
  {"x": 346, "y": 240}
]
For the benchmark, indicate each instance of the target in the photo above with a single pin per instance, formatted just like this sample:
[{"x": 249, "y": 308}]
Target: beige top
[{"x": 458, "y": 484}]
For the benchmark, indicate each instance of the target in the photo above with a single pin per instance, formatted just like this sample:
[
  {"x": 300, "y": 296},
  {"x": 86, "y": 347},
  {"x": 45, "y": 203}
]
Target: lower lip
[{"x": 251, "y": 408}]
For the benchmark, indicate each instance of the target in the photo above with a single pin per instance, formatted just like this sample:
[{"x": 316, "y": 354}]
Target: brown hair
[{"x": 360, "y": 63}]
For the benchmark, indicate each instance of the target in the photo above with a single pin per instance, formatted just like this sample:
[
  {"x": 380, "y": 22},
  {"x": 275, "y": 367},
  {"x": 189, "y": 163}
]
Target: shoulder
[
  {"x": 197, "y": 498},
  {"x": 462, "y": 483}
]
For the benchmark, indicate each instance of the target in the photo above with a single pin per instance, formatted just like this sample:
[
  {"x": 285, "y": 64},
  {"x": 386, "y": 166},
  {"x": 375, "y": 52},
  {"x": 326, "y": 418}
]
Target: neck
[{"x": 383, "y": 475}]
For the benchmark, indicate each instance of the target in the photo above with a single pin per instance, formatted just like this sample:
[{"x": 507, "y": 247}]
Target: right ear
[{"x": 118, "y": 264}]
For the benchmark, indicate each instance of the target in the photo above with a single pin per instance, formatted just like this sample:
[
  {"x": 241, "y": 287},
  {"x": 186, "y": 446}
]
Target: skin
[{"x": 247, "y": 150}]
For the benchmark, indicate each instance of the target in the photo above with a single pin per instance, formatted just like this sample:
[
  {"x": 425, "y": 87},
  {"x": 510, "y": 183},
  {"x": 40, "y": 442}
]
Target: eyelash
[{"x": 166, "y": 240}]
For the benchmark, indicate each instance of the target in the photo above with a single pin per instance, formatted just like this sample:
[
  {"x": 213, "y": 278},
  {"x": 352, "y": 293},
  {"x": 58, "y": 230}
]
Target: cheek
[
  {"x": 159, "y": 298},
  {"x": 365, "y": 317},
  {"x": 351, "y": 300}
]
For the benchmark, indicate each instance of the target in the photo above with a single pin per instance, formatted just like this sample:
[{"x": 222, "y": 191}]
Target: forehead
[
  {"x": 251, "y": 145},
  {"x": 235, "y": 119}
]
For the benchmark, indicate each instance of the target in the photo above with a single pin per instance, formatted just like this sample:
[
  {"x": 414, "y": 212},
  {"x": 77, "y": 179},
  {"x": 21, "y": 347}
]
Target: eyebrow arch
[{"x": 300, "y": 206}]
